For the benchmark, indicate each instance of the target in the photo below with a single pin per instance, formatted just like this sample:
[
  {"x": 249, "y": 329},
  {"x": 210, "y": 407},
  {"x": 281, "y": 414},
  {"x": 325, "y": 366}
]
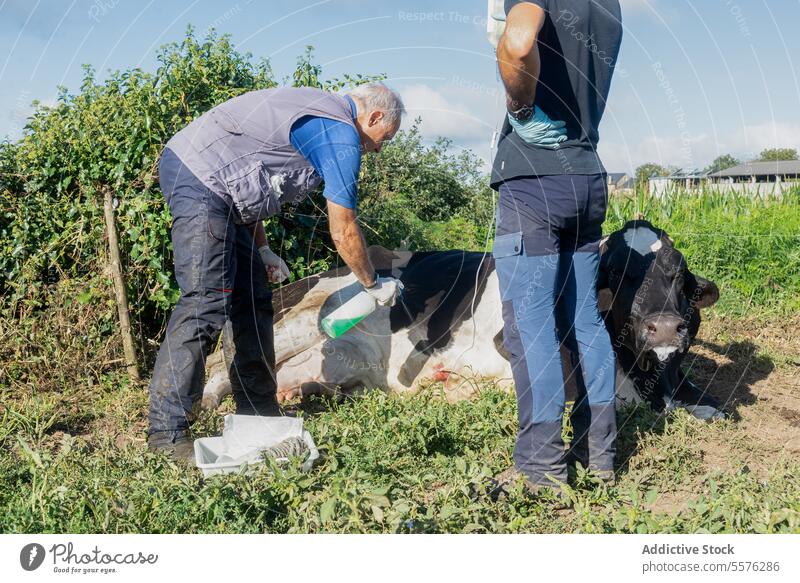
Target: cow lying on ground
[
  {"x": 448, "y": 327},
  {"x": 652, "y": 306}
]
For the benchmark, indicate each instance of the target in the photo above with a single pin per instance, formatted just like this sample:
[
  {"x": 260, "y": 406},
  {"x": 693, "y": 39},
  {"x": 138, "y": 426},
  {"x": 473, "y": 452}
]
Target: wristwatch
[
  {"x": 524, "y": 113},
  {"x": 374, "y": 282}
]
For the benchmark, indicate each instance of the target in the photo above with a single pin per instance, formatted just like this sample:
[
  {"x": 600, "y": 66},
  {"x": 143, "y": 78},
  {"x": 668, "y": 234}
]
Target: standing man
[
  {"x": 230, "y": 168},
  {"x": 556, "y": 59}
]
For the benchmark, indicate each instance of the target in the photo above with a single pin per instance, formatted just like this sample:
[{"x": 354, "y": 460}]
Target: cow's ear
[
  {"x": 605, "y": 260},
  {"x": 700, "y": 292},
  {"x": 604, "y": 299}
]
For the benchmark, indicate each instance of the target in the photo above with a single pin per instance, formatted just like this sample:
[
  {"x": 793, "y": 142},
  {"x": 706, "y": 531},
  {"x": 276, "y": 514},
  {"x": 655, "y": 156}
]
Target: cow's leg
[
  {"x": 695, "y": 400},
  {"x": 308, "y": 389},
  {"x": 218, "y": 385},
  {"x": 646, "y": 383},
  {"x": 312, "y": 372},
  {"x": 626, "y": 393},
  {"x": 667, "y": 388}
]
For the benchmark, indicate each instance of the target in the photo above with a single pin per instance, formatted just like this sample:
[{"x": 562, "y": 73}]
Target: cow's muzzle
[{"x": 662, "y": 335}]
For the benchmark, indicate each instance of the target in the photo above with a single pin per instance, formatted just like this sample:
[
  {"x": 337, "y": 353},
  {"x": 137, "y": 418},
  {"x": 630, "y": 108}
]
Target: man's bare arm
[
  {"x": 259, "y": 234},
  {"x": 518, "y": 54},
  {"x": 349, "y": 241}
]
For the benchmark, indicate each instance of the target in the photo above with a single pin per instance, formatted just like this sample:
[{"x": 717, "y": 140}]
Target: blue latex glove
[{"x": 539, "y": 130}]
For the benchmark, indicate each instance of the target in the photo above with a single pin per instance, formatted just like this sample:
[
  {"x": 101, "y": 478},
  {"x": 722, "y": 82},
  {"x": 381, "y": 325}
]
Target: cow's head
[{"x": 653, "y": 298}]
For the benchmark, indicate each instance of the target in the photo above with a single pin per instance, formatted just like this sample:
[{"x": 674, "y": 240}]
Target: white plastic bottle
[
  {"x": 348, "y": 314},
  {"x": 495, "y": 21}
]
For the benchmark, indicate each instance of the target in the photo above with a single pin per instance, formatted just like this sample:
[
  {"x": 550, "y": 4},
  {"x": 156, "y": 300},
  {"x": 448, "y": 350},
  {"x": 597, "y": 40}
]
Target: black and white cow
[
  {"x": 444, "y": 329},
  {"x": 652, "y": 303},
  {"x": 448, "y": 327}
]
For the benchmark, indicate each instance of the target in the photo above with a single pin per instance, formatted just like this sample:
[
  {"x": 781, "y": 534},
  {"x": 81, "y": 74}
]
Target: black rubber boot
[{"x": 177, "y": 445}]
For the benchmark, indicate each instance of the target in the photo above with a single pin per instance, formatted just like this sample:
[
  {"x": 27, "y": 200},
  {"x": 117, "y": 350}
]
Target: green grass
[
  {"x": 749, "y": 246},
  {"x": 390, "y": 464}
]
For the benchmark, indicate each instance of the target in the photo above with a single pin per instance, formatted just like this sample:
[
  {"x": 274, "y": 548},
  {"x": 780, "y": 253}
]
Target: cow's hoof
[
  {"x": 706, "y": 413},
  {"x": 308, "y": 389},
  {"x": 288, "y": 395},
  {"x": 210, "y": 402}
]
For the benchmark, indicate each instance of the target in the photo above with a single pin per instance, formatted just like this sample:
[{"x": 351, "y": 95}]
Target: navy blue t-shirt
[
  {"x": 578, "y": 48},
  {"x": 334, "y": 150}
]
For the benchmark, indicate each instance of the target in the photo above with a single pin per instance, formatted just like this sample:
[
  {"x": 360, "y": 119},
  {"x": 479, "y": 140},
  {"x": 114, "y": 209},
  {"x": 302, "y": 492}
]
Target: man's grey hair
[{"x": 379, "y": 97}]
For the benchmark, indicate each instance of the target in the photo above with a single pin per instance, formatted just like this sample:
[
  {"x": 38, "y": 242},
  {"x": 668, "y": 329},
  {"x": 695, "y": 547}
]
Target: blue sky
[{"x": 695, "y": 79}]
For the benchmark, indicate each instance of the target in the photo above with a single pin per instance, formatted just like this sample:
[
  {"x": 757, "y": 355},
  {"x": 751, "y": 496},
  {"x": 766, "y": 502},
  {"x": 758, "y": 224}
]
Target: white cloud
[
  {"x": 753, "y": 139},
  {"x": 655, "y": 9},
  {"x": 699, "y": 150},
  {"x": 467, "y": 116},
  {"x": 442, "y": 114}
]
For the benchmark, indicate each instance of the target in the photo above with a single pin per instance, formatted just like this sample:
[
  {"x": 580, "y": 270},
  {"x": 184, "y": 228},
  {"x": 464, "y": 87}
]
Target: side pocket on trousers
[
  {"x": 598, "y": 199},
  {"x": 221, "y": 228},
  {"x": 511, "y": 265}
]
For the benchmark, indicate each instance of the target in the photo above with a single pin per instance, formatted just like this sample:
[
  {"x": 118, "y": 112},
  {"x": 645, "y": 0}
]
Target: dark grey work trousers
[{"x": 223, "y": 284}]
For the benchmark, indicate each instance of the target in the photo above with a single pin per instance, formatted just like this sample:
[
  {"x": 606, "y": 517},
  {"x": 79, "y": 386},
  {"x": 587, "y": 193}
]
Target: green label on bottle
[{"x": 335, "y": 328}]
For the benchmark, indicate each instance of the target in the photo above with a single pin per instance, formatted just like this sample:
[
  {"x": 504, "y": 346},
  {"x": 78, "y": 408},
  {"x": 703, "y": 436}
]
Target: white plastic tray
[{"x": 243, "y": 439}]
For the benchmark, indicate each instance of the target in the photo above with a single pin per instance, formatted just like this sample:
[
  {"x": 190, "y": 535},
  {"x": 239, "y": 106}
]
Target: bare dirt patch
[{"x": 754, "y": 369}]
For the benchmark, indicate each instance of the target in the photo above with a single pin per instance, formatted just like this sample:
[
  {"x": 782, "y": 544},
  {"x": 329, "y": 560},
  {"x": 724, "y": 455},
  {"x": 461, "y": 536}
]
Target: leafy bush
[{"x": 110, "y": 134}]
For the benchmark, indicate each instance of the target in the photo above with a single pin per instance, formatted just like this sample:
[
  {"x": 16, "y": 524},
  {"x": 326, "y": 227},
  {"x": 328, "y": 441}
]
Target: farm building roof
[
  {"x": 775, "y": 167},
  {"x": 689, "y": 173}
]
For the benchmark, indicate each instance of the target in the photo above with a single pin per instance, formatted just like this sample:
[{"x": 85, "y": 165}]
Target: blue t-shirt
[{"x": 334, "y": 150}]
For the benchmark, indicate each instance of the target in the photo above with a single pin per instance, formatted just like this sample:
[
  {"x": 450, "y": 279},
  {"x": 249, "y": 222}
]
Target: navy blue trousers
[
  {"x": 223, "y": 284},
  {"x": 546, "y": 254}
]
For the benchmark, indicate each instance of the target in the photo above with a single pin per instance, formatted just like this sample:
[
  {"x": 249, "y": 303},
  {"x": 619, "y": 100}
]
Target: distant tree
[
  {"x": 647, "y": 171},
  {"x": 722, "y": 163},
  {"x": 771, "y": 154}
]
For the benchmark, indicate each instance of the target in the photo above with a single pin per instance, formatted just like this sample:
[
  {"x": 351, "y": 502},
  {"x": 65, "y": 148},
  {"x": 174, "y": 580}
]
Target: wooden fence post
[{"x": 120, "y": 290}]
